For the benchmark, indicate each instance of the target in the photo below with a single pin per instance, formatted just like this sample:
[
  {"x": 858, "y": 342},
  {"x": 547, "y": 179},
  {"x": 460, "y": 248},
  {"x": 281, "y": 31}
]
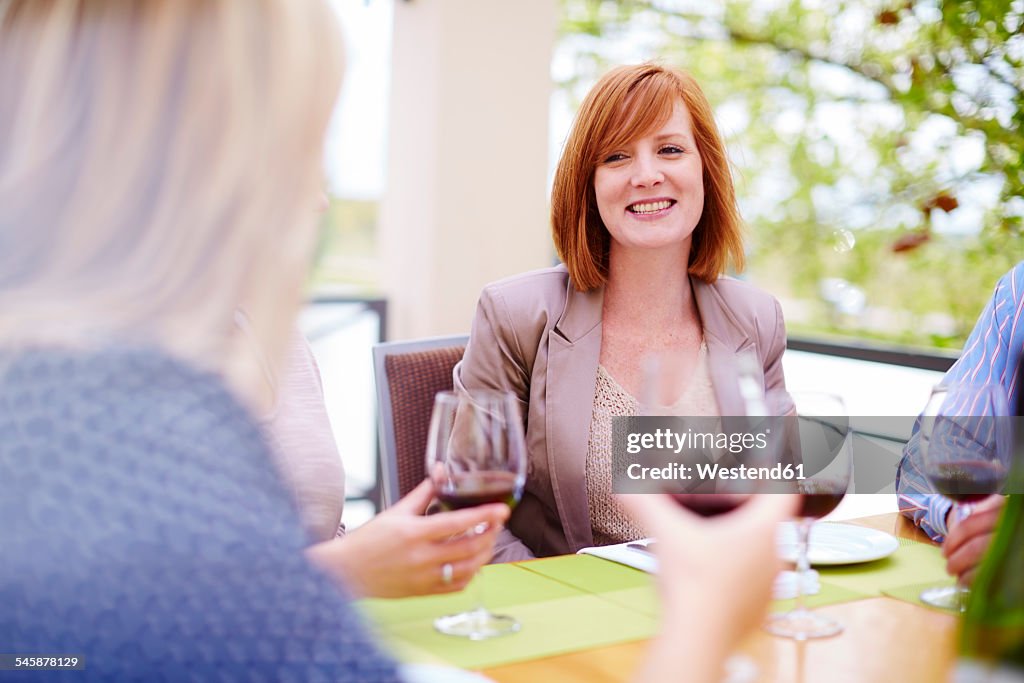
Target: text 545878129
[{"x": 41, "y": 662}]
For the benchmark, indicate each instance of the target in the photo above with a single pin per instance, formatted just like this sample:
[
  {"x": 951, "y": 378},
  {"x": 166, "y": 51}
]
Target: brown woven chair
[{"x": 408, "y": 374}]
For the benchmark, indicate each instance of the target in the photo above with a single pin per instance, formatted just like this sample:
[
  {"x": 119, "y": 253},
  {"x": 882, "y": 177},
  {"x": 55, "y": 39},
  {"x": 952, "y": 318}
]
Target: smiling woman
[
  {"x": 649, "y": 191},
  {"x": 644, "y": 217}
]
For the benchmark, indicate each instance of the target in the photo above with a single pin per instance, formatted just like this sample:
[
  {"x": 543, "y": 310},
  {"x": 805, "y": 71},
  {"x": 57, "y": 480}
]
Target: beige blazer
[{"x": 538, "y": 337}]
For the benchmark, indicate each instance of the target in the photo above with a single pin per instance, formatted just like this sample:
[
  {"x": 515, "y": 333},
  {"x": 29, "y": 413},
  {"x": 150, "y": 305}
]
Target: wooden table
[{"x": 884, "y": 640}]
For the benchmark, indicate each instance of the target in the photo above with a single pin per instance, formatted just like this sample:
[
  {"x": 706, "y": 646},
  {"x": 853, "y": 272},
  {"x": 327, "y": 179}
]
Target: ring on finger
[{"x": 446, "y": 573}]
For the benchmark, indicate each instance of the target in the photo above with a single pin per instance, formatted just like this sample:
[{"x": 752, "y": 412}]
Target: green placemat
[
  {"x": 556, "y": 617},
  {"x": 634, "y": 589},
  {"x": 625, "y": 586},
  {"x": 912, "y": 594},
  {"x": 549, "y": 628},
  {"x": 577, "y": 602},
  {"x": 828, "y": 594},
  {"x": 588, "y": 573},
  {"x": 912, "y": 563},
  {"x": 500, "y": 585},
  {"x": 642, "y": 599}
]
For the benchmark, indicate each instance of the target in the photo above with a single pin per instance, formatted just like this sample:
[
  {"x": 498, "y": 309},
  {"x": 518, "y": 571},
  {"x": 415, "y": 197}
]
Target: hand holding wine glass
[
  {"x": 402, "y": 552},
  {"x": 476, "y": 454},
  {"x": 965, "y": 445},
  {"x": 968, "y": 539}
]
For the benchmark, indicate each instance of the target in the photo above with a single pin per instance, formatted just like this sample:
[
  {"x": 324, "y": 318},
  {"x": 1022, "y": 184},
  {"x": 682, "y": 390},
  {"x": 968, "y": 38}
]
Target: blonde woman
[{"x": 150, "y": 153}]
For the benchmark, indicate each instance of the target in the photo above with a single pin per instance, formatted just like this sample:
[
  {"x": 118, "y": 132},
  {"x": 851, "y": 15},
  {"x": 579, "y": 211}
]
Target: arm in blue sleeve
[
  {"x": 990, "y": 356},
  {"x": 914, "y": 494}
]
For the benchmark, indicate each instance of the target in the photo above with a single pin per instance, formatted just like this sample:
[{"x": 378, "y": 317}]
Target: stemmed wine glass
[
  {"x": 818, "y": 443},
  {"x": 667, "y": 378},
  {"x": 476, "y": 454},
  {"x": 964, "y": 440}
]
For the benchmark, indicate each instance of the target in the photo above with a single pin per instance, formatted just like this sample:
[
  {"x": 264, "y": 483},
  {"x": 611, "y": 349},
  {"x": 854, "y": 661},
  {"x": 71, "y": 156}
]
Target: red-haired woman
[{"x": 644, "y": 218}]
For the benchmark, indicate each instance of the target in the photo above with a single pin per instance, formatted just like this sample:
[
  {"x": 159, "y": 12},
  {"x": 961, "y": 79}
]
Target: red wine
[
  {"x": 820, "y": 496},
  {"x": 479, "y": 488},
  {"x": 967, "y": 481},
  {"x": 710, "y": 504},
  {"x": 817, "y": 505}
]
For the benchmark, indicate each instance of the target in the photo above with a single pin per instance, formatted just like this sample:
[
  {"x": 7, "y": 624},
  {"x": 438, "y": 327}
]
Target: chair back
[{"x": 408, "y": 375}]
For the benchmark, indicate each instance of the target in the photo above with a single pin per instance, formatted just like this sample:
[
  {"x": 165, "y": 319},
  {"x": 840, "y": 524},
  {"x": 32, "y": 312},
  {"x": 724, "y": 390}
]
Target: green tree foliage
[
  {"x": 875, "y": 142},
  {"x": 346, "y": 256}
]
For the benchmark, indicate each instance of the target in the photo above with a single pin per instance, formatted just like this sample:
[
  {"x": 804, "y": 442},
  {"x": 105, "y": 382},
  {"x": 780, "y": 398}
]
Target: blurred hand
[
  {"x": 715, "y": 578},
  {"x": 968, "y": 539},
  {"x": 400, "y": 552}
]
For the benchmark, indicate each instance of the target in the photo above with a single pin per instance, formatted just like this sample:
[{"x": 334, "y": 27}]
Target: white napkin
[{"x": 630, "y": 554}]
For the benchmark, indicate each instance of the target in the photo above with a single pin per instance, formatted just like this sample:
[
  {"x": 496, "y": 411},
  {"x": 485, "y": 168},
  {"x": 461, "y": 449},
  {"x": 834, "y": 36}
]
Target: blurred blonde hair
[{"x": 159, "y": 163}]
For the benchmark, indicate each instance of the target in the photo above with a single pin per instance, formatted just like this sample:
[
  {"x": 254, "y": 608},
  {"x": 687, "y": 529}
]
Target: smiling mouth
[{"x": 641, "y": 208}]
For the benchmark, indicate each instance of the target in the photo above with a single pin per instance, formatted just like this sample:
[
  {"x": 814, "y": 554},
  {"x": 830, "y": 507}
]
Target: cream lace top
[{"x": 608, "y": 521}]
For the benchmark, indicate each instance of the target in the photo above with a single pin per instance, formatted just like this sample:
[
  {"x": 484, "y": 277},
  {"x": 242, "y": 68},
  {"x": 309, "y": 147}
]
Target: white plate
[{"x": 838, "y": 543}]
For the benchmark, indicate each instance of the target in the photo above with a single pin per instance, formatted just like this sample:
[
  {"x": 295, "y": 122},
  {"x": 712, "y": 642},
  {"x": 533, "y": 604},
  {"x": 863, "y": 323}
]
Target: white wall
[
  {"x": 466, "y": 196},
  {"x": 868, "y": 388}
]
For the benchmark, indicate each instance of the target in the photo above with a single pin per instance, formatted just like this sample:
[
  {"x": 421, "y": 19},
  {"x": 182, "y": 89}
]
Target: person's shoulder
[
  {"x": 1011, "y": 284},
  {"x": 123, "y": 372},
  {"x": 543, "y": 289},
  {"x": 742, "y": 297},
  {"x": 142, "y": 391},
  {"x": 552, "y": 280},
  {"x": 189, "y": 398},
  {"x": 524, "y": 306},
  {"x": 1004, "y": 310}
]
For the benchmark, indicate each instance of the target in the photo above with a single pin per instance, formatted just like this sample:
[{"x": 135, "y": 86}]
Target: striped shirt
[{"x": 990, "y": 356}]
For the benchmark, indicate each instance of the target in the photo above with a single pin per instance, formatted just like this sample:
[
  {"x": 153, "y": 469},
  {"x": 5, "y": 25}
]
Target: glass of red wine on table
[
  {"x": 817, "y": 443},
  {"x": 476, "y": 454},
  {"x": 965, "y": 443}
]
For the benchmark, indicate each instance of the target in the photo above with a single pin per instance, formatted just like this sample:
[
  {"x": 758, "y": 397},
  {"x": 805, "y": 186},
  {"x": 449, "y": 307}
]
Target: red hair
[{"x": 627, "y": 103}]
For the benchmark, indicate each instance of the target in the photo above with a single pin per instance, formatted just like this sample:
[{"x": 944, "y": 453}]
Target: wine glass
[
  {"x": 817, "y": 444},
  {"x": 476, "y": 454},
  {"x": 964, "y": 439},
  {"x": 739, "y": 441},
  {"x": 726, "y": 442}
]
